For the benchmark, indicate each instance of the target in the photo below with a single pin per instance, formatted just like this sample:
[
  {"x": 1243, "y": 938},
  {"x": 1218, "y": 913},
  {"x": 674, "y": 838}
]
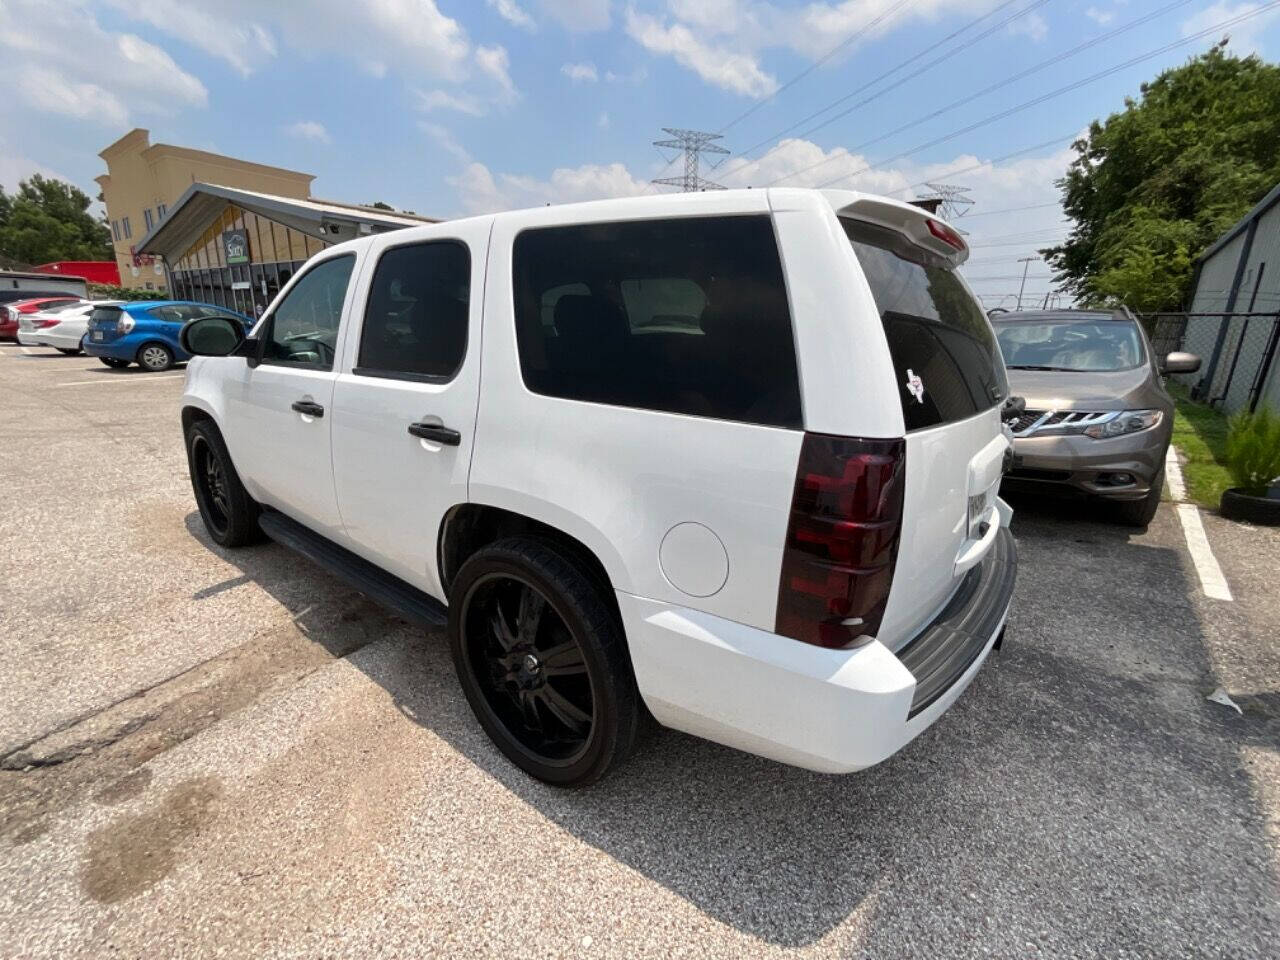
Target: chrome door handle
[
  {"x": 308, "y": 408},
  {"x": 436, "y": 433}
]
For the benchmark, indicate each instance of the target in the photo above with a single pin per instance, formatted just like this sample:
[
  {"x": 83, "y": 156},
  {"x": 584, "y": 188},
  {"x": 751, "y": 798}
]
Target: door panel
[{"x": 414, "y": 360}]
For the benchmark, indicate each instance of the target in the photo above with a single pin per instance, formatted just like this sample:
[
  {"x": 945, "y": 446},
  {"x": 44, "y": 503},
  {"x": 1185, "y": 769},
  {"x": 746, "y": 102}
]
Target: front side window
[
  {"x": 687, "y": 316},
  {"x": 304, "y": 326},
  {"x": 182, "y": 312},
  {"x": 415, "y": 324},
  {"x": 1097, "y": 345},
  {"x": 945, "y": 358}
]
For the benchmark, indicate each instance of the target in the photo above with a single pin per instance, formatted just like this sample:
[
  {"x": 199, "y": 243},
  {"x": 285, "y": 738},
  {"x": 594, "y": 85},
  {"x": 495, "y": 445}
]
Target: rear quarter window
[
  {"x": 686, "y": 316},
  {"x": 946, "y": 361}
]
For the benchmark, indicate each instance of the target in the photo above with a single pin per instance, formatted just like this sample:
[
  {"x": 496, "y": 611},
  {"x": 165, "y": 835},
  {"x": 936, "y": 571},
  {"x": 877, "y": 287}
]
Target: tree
[
  {"x": 1156, "y": 184},
  {"x": 49, "y": 220}
]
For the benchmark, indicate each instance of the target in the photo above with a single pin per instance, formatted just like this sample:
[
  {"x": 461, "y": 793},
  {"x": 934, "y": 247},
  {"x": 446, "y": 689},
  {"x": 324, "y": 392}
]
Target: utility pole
[
  {"x": 1026, "y": 264},
  {"x": 693, "y": 143}
]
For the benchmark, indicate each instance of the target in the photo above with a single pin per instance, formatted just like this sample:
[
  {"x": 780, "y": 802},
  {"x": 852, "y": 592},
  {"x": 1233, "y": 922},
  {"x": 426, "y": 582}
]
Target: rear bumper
[
  {"x": 31, "y": 338},
  {"x": 123, "y": 348},
  {"x": 834, "y": 711},
  {"x": 1086, "y": 466}
]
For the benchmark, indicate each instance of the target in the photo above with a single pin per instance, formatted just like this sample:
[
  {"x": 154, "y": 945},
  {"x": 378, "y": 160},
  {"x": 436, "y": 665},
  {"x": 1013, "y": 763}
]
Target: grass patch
[{"x": 1200, "y": 434}]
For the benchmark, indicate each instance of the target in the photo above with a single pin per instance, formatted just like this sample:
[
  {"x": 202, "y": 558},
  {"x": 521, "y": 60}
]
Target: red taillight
[
  {"x": 946, "y": 234},
  {"x": 842, "y": 539},
  {"x": 46, "y": 322}
]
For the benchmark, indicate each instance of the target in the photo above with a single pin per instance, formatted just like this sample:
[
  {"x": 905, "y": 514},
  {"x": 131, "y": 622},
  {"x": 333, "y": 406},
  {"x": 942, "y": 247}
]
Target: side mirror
[
  {"x": 212, "y": 337},
  {"x": 1179, "y": 362}
]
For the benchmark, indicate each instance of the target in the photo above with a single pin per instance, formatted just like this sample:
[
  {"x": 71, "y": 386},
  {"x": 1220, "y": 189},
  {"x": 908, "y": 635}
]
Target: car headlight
[
  {"x": 125, "y": 323},
  {"x": 1129, "y": 421}
]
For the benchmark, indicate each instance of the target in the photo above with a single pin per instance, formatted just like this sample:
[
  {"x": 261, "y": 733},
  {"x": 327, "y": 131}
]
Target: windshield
[
  {"x": 944, "y": 352},
  {"x": 1081, "y": 346}
]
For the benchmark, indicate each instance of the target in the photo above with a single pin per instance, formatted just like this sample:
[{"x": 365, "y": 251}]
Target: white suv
[{"x": 731, "y": 457}]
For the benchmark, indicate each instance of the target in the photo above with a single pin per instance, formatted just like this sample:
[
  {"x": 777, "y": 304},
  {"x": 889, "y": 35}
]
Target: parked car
[
  {"x": 733, "y": 456},
  {"x": 62, "y": 326},
  {"x": 1098, "y": 418},
  {"x": 146, "y": 331},
  {"x": 14, "y": 309}
]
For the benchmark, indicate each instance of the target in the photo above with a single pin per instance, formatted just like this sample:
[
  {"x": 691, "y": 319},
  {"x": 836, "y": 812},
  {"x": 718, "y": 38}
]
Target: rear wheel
[
  {"x": 114, "y": 363},
  {"x": 1139, "y": 513},
  {"x": 68, "y": 351},
  {"x": 542, "y": 661},
  {"x": 155, "y": 357},
  {"x": 229, "y": 513}
]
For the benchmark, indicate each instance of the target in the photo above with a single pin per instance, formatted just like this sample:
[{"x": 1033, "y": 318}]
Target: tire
[
  {"x": 1139, "y": 513},
  {"x": 155, "y": 357},
  {"x": 229, "y": 513},
  {"x": 68, "y": 351},
  {"x": 113, "y": 363},
  {"x": 572, "y": 664}
]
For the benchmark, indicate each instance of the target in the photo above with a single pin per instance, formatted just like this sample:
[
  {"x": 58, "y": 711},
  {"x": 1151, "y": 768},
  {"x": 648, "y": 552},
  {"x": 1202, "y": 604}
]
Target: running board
[{"x": 375, "y": 583}]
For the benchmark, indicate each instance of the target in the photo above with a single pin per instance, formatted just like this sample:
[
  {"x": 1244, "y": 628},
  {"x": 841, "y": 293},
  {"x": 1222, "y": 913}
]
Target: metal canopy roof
[{"x": 200, "y": 203}]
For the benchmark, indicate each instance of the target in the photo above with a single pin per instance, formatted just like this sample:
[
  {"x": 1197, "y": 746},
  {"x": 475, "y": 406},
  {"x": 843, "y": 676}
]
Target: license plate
[
  {"x": 977, "y": 510},
  {"x": 97, "y": 335}
]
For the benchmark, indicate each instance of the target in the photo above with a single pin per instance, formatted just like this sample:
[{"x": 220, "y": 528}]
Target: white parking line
[
  {"x": 1173, "y": 474},
  {"x": 1212, "y": 581},
  {"x": 125, "y": 379},
  {"x": 26, "y": 350}
]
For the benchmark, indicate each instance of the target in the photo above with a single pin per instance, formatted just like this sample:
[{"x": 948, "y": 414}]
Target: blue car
[{"x": 145, "y": 332}]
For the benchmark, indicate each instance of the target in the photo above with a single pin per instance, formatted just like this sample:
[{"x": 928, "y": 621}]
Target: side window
[
  {"x": 686, "y": 316},
  {"x": 304, "y": 326},
  {"x": 415, "y": 323}
]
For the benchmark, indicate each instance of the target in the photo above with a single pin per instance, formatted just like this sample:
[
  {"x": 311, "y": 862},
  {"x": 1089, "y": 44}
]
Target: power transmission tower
[
  {"x": 693, "y": 143},
  {"x": 953, "y": 201}
]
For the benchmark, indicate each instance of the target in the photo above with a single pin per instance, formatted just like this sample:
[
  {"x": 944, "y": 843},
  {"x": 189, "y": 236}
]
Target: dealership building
[{"x": 237, "y": 248}]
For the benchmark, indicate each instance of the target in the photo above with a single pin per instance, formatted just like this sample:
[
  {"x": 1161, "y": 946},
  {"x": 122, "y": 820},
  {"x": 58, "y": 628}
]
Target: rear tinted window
[
  {"x": 686, "y": 316},
  {"x": 104, "y": 314},
  {"x": 944, "y": 352}
]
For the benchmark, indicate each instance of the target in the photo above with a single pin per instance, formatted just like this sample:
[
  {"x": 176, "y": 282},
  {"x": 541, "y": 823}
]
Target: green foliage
[
  {"x": 108, "y": 291},
  {"x": 1157, "y": 183},
  {"x": 49, "y": 220},
  {"x": 1253, "y": 450}
]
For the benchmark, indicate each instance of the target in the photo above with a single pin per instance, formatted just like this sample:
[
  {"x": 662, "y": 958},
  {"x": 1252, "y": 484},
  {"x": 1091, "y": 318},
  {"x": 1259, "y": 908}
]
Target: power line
[
  {"x": 1042, "y": 98},
  {"x": 893, "y": 70},
  {"x": 1030, "y": 206},
  {"x": 1003, "y": 83},
  {"x": 817, "y": 63}
]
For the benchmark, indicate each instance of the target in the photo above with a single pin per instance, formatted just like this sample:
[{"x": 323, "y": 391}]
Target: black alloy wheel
[
  {"x": 229, "y": 513},
  {"x": 541, "y": 657},
  {"x": 211, "y": 481}
]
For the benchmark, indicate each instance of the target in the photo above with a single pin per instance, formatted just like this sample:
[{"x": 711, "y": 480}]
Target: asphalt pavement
[{"x": 229, "y": 753}]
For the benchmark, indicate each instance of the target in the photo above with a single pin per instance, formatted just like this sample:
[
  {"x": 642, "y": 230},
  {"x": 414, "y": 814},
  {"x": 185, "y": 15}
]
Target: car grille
[{"x": 1032, "y": 422}]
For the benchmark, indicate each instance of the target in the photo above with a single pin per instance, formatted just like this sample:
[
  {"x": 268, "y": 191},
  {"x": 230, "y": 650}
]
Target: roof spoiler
[{"x": 924, "y": 229}]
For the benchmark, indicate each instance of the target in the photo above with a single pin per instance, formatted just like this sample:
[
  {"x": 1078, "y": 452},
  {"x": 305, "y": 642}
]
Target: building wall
[{"x": 144, "y": 179}]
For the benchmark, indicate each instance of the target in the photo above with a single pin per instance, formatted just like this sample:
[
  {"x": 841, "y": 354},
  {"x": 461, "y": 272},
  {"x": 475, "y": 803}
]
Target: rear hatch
[
  {"x": 104, "y": 324},
  {"x": 950, "y": 381}
]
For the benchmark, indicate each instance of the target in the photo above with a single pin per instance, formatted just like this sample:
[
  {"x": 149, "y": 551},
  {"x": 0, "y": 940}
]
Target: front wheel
[
  {"x": 113, "y": 363},
  {"x": 542, "y": 660},
  {"x": 229, "y": 513},
  {"x": 1140, "y": 513},
  {"x": 155, "y": 357}
]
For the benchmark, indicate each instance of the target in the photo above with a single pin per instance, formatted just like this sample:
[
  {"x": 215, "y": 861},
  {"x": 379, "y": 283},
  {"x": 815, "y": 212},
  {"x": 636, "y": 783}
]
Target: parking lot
[{"x": 231, "y": 753}]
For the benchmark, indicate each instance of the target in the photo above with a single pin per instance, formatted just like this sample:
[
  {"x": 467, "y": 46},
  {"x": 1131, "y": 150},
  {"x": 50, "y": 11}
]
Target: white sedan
[{"x": 62, "y": 326}]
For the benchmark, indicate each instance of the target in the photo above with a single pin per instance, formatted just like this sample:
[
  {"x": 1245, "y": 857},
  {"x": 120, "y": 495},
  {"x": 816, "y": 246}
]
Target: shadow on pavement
[{"x": 1080, "y": 798}]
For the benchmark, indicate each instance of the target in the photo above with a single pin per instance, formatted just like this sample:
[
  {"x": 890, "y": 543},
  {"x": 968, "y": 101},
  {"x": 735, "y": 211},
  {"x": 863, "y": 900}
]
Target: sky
[{"x": 457, "y": 107}]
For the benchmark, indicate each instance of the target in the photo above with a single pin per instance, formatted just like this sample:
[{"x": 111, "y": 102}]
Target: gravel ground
[{"x": 231, "y": 754}]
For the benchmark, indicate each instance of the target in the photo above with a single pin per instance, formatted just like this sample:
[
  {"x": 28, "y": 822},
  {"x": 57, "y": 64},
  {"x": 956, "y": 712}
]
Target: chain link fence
[{"x": 1239, "y": 367}]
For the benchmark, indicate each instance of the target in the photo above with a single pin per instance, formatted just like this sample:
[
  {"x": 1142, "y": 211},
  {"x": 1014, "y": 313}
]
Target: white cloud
[
  {"x": 243, "y": 44},
  {"x": 1100, "y": 17},
  {"x": 638, "y": 75},
  {"x": 584, "y": 72},
  {"x": 445, "y": 139},
  {"x": 602, "y": 121},
  {"x": 716, "y": 64},
  {"x": 480, "y": 192},
  {"x": 1244, "y": 36},
  {"x": 496, "y": 64},
  {"x": 1033, "y": 26},
  {"x": 309, "y": 130},
  {"x": 579, "y": 16},
  {"x": 14, "y": 168},
  {"x": 514, "y": 14},
  {"x": 35, "y": 39},
  {"x": 430, "y": 100}
]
